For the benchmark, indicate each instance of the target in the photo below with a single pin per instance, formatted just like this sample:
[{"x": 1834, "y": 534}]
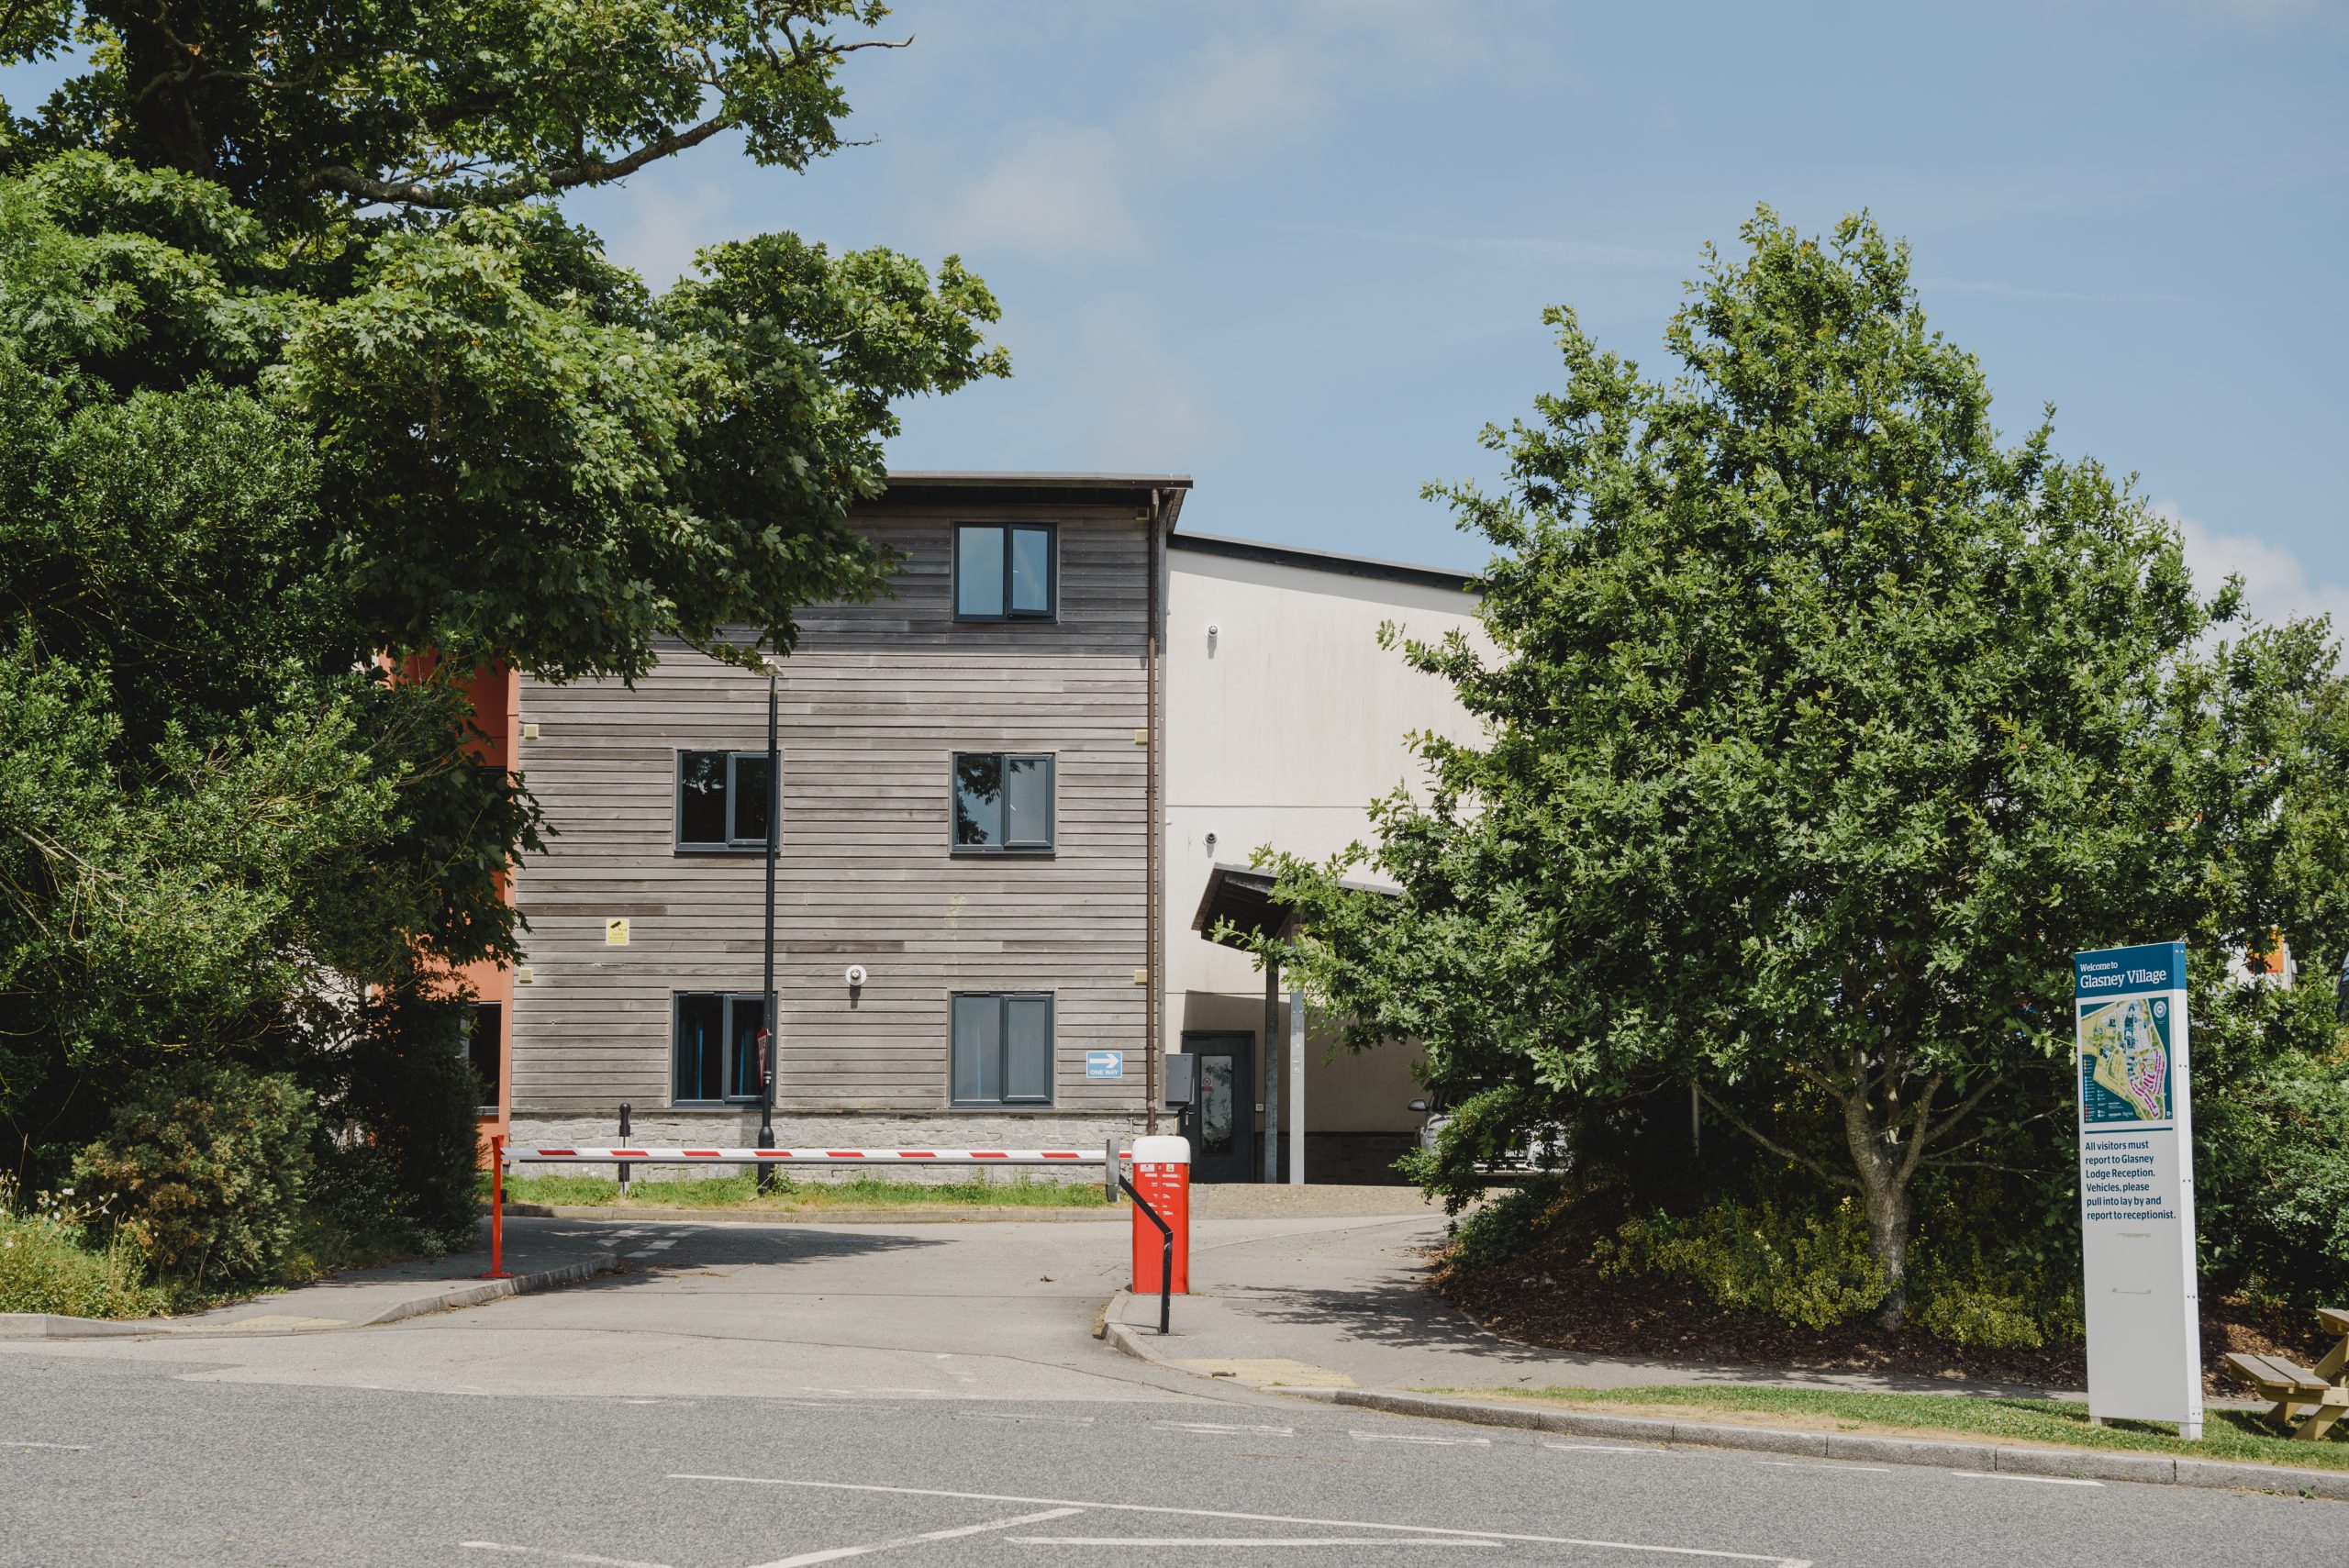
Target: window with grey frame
[
  {"x": 1006, "y": 571},
  {"x": 724, "y": 799},
  {"x": 1002, "y": 1049},
  {"x": 716, "y": 1053},
  {"x": 1003, "y": 802}
]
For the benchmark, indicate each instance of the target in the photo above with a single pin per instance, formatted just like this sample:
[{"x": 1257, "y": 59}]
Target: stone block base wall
[
  {"x": 873, "y": 1129},
  {"x": 1350, "y": 1158}
]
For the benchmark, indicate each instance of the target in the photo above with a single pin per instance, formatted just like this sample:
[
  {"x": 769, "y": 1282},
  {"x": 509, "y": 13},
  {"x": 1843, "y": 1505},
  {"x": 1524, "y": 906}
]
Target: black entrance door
[{"x": 1221, "y": 1123}]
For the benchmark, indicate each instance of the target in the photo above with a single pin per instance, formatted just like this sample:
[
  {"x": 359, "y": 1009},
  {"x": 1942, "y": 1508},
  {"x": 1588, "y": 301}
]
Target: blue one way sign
[{"x": 1105, "y": 1064}]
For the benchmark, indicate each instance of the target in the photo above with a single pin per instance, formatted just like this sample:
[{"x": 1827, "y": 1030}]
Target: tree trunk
[{"x": 1884, "y": 1190}]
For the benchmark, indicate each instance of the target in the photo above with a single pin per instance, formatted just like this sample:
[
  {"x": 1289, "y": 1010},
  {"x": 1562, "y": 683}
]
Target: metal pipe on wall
[{"x": 1153, "y": 1032}]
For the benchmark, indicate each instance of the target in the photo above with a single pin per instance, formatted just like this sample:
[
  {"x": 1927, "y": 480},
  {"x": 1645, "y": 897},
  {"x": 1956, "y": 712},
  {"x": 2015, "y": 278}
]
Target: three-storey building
[{"x": 964, "y": 931}]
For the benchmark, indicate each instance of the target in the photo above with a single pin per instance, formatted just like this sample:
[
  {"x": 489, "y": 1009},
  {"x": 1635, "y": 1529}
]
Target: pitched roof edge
[{"x": 1324, "y": 560}]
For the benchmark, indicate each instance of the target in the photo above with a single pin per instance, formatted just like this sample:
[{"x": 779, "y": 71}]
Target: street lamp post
[{"x": 771, "y": 1058}]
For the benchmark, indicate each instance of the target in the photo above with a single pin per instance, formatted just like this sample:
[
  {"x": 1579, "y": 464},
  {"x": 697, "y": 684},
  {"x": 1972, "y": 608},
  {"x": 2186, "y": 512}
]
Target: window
[
  {"x": 1003, "y": 1049},
  {"x": 718, "y": 1047},
  {"x": 723, "y": 800},
  {"x": 1005, "y": 572},
  {"x": 1002, "y": 801},
  {"x": 484, "y": 1045}
]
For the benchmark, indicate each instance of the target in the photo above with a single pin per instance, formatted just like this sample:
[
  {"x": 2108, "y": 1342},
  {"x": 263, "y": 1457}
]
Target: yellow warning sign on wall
[{"x": 616, "y": 933}]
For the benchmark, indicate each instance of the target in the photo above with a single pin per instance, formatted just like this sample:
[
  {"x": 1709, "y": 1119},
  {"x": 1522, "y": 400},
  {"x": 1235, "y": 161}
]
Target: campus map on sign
[{"x": 2125, "y": 1060}]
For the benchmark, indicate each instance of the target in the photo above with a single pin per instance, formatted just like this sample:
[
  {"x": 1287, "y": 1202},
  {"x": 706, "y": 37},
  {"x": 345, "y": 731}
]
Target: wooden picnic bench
[
  {"x": 2335, "y": 1367},
  {"x": 2307, "y": 1400}
]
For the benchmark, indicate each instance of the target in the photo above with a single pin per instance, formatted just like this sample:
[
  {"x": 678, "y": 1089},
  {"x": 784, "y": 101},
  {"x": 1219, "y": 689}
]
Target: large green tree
[
  {"x": 304, "y": 377},
  {"x": 1821, "y": 728}
]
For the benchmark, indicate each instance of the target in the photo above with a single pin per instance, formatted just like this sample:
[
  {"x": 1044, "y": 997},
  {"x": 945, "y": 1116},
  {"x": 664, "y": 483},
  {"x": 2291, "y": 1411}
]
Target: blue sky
[{"x": 1299, "y": 250}]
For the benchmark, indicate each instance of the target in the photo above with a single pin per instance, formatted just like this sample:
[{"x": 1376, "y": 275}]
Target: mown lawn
[
  {"x": 851, "y": 1191},
  {"x": 2239, "y": 1435}
]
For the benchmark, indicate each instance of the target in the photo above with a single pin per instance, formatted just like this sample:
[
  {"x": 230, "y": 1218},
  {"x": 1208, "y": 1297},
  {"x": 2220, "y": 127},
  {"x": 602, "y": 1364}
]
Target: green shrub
[
  {"x": 1973, "y": 1287},
  {"x": 400, "y": 1168},
  {"x": 1812, "y": 1271},
  {"x": 1505, "y": 1227},
  {"x": 1977, "y": 1318},
  {"x": 60, "y": 1256},
  {"x": 2271, "y": 1190},
  {"x": 204, "y": 1164}
]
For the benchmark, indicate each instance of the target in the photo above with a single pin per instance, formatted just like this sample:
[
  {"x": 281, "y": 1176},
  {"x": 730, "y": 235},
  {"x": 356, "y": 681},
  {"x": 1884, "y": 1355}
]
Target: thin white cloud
[
  {"x": 1060, "y": 192},
  {"x": 1233, "y": 99},
  {"x": 2277, "y": 585},
  {"x": 666, "y": 225},
  {"x": 1239, "y": 99},
  {"x": 1140, "y": 405},
  {"x": 1571, "y": 249}
]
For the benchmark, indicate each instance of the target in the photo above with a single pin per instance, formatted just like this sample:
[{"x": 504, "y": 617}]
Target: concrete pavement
[
  {"x": 1294, "y": 1301},
  {"x": 931, "y": 1395}
]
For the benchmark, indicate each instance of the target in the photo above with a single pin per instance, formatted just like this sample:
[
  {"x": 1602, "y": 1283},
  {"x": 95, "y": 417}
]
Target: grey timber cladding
[{"x": 875, "y": 701}]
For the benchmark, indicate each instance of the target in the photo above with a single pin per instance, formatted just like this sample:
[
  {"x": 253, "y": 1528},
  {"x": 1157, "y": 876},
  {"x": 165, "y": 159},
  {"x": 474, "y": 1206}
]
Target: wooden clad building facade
[{"x": 969, "y": 785}]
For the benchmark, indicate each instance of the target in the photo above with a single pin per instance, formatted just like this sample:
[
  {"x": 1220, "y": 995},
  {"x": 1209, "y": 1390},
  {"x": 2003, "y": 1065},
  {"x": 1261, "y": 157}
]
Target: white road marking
[
  {"x": 1357, "y": 1542},
  {"x": 559, "y": 1556},
  {"x": 1414, "y": 1531},
  {"x": 833, "y": 1554},
  {"x": 1052, "y": 1420},
  {"x": 842, "y": 1404},
  {"x": 639, "y": 1254},
  {"x": 1601, "y": 1448},
  {"x": 69, "y": 1448},
  {"x": 1822, "y": 1464},
  {"x": 1415, "y": 1438},
  {"x": 1218, "y": 1427},
  {"x": 2043, "y": 1480},
  {"x": 656, "y": 1246}
]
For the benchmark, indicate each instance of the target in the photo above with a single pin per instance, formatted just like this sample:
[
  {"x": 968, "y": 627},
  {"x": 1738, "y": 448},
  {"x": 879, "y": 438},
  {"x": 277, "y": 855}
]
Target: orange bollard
[
  {"x": 497, "y": 1208},
  {"x": 1163, "y": 1175}
]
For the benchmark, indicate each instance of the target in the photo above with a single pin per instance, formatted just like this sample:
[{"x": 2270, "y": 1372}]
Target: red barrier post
[
  {"x": 497, "y": 1208},
  {"x": 1162, "y": 1174}
]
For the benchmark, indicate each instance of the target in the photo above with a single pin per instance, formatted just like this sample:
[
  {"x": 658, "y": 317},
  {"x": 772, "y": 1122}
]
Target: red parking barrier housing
[{"x": 1163, "y": 1175}]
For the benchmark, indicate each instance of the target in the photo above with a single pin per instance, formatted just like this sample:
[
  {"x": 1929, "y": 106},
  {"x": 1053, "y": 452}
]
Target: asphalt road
[{"x": 924, "y": 1397}]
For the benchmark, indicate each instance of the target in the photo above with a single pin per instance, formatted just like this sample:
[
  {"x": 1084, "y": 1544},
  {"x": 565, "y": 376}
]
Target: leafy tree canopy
[
  {"x": 1821, "y": 727},
  {"x": 303, "y": 379}
]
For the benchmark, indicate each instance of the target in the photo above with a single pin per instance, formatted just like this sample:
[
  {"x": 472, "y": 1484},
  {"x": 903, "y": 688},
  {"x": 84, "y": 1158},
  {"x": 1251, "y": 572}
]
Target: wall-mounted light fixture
[{"x": 1210, "y": 846}]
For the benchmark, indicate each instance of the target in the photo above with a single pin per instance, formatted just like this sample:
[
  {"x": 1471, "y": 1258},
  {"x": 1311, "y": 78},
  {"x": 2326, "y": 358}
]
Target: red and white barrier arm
[{"x": 535, "y": 1154}]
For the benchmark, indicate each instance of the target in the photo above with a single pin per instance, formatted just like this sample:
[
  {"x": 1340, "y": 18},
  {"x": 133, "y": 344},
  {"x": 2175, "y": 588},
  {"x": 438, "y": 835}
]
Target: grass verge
[
  {"x": 853, "y": 1192},
  {"x": 51, "y": 1263},
  {"x": 2236, "y": 1435}
]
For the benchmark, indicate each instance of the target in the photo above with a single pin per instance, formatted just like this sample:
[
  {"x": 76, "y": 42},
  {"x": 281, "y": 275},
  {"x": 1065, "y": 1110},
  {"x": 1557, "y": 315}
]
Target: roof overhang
[
  {"x": 1329, "y": 561},
  {"x": 1241, "y": 898},
  {"x": 954, "y": 487}
]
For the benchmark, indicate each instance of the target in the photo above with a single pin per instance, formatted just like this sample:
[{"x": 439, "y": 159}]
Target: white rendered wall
[{"x": 1282, "y": 733}]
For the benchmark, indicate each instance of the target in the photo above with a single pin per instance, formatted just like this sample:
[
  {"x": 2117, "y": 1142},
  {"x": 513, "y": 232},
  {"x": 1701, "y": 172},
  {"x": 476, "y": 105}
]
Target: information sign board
[
  {"x": 1105, "y": 1064},
  {"x": 2136, "y": 1141}
]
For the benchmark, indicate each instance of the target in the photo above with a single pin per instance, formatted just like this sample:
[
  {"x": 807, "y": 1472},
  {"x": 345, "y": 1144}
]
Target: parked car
[{"x": 1541, "y": 1149}]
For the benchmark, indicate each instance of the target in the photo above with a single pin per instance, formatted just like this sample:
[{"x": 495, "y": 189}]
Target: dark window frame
[
  {"x": 725, "y": 1069},
  {"x": 1051, "y": 612},
  {"x": 1003, "y": 999},
  {"x": 1035, "y": 850},
  {"x": 732, "y": 846}
]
